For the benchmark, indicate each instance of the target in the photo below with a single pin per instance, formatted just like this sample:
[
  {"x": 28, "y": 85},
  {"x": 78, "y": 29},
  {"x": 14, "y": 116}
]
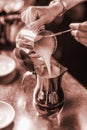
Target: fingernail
[
  {"x": 71, "y": 25},
  {"x": 74, "y": 25},
  {"x": 74, "y": 33}
]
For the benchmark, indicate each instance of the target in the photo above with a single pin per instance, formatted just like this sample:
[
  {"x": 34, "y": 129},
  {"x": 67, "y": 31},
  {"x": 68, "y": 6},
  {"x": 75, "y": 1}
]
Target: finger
[
  {"x": 29, "y": 15},
  {"x": 17, "y": 53},
  {"x": 36, "y": 25},
  {"x": 24, "y": 15},
  {"x": 25, "y": 58},
  {"x": 77, "y": 33},
  {"x": 82, "y": 41},
  {"x": 79, "y": 26}
]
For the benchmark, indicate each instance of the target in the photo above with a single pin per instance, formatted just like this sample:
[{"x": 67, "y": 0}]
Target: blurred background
[{"x": 69, "y": 52}]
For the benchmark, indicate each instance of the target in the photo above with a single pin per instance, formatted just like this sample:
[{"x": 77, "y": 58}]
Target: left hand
[{"x": 79, "y": 31}]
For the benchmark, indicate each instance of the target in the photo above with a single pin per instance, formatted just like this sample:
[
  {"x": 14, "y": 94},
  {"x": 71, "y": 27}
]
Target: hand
[
  {"x": 35, "y": 16},
  {"x": 79, "y": 31}
]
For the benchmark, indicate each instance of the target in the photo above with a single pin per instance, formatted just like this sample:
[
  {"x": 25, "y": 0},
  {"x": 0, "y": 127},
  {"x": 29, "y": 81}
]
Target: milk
[
  {"x": 44, "y": 48},
  {"x": 45, "y": 54}
]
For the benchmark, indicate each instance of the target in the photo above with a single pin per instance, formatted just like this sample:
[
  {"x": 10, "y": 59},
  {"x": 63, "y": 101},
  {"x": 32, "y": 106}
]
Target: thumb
[{"x": 37, "y": 25}]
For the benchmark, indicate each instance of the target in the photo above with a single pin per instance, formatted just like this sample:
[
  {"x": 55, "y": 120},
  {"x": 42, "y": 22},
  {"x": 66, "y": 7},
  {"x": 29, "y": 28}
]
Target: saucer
[
  {"x": 7, "y": 114},
  {"x": 7, "y": 69}
]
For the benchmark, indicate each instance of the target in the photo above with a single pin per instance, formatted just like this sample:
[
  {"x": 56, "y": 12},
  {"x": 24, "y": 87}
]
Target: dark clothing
[{"x": 73, "y": 54}]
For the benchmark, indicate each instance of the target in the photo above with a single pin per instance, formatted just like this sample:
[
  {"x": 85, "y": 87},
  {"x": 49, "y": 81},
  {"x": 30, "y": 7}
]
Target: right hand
[{"x": 36, "y": 16}]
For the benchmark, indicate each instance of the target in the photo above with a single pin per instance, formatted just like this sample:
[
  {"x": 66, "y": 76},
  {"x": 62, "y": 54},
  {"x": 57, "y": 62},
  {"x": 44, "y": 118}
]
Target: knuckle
[
  {"x": 77, "y": 33},
  {"x": 32, "y": 9},
  {"x": 85, "y": 22},
  {"x": 79, "y": 26}
]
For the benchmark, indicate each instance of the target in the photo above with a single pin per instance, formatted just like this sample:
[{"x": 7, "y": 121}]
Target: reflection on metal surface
[{"x": 48, "y": 93}]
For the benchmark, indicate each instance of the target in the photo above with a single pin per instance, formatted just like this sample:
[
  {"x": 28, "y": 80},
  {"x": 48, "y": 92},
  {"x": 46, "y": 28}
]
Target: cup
[
  {"x": 27, "y": 39},
  {"x": 48, "y": 96}
]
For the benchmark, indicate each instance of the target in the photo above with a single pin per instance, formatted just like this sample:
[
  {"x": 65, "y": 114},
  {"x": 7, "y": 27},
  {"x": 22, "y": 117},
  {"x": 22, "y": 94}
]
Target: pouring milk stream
[{"x": 44, "y": 48}]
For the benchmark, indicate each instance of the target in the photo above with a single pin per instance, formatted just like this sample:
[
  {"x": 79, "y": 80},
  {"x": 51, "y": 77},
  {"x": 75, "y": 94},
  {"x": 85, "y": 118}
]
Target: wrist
[
  {"x": 59, "y": 7},
  {"x": 63, "y": 3}
]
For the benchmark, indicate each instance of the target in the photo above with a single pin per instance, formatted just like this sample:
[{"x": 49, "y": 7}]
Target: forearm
[
  {"x": 58, "y": 5},
  {"x": 72, "y": 3}
]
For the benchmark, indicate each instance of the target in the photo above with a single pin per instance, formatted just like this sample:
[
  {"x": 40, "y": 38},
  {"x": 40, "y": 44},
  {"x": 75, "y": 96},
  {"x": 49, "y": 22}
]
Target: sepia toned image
[{"x": 43, "y": 65}]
